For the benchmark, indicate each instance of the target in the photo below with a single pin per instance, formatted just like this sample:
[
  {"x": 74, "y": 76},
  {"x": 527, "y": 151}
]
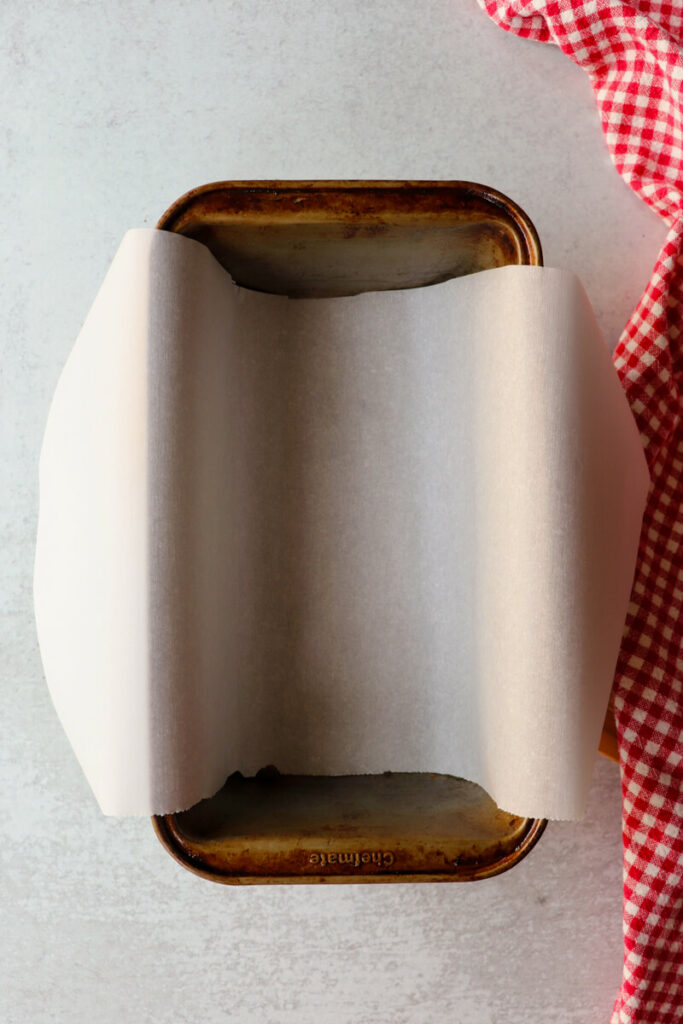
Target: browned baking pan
[
  {"x": 353, "y": 828},
  {"x": 324, "y": 238},
  {"x": 321, "y": 238}
]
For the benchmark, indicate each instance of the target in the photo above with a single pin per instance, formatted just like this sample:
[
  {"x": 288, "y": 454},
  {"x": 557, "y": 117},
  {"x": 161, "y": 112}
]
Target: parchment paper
[{"x": 390, "y": 532}]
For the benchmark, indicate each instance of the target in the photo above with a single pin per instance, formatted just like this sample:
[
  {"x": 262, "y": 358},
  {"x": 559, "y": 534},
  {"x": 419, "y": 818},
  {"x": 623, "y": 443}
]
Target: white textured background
[{"x": 109, "y": 112}]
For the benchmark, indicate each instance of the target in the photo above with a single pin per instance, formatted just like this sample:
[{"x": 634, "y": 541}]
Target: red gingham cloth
[{"x": 633, "y": 53}]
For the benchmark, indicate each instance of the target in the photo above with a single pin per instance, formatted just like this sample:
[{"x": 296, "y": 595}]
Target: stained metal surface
[
  {"x": 371, "y": 828},
  {"x": 339, "y": 238}
]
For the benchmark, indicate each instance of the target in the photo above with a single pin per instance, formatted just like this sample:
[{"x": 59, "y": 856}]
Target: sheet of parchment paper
[{"x": 390, "y": 532}]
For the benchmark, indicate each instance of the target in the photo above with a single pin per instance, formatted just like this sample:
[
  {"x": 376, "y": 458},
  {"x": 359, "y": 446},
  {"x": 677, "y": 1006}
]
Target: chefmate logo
[{"x": 353, "y": 859}]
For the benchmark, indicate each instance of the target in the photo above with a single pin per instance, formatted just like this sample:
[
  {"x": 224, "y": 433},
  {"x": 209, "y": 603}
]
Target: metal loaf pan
[{"x": 324, "y": 238}]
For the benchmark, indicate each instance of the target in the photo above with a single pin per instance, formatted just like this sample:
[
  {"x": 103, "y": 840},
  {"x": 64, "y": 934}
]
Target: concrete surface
[{"x": 110, "y": 111}]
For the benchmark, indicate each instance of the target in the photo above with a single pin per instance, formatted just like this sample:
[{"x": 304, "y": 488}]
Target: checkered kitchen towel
[{"x": 633, "y": 53}]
